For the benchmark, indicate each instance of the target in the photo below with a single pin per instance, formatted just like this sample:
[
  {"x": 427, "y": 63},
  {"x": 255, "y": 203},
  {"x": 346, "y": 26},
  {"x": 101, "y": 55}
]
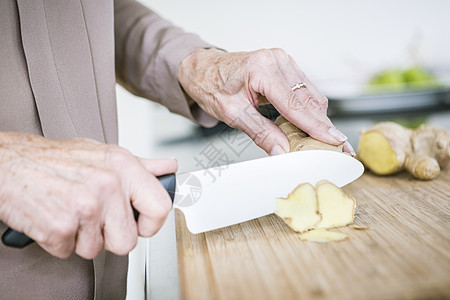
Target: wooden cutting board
[{"x": 404, "y": 255}]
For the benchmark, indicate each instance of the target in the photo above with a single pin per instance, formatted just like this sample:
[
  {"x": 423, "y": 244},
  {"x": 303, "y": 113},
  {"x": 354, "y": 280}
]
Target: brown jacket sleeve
[{"x": 149, "y": 51}]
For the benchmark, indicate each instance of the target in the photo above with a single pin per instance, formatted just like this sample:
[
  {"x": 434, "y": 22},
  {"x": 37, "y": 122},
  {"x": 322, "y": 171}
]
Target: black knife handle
[{"x": 15, "y": 239}]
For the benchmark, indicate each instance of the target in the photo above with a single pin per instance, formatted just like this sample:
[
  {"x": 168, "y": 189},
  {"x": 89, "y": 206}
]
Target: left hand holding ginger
[{"x": 230, "y": 87}]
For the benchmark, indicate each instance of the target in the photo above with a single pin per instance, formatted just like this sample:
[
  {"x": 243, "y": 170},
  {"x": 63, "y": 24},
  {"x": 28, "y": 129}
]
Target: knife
[
  {"x": 226, "y": 195},
  {"x": 247, "y": 190}
]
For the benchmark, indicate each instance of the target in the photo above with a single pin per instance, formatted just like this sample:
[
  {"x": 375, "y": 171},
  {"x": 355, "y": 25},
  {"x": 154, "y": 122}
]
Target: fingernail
[
  {"x": 337, "y": 134},
  {"x": 349, "y": 149},
  {"x": 276, "y": 150}
]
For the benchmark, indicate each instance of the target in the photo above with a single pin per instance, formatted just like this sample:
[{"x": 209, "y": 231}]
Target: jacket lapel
[
  {"x": 99, "y": 22},
  {"x": 60, "y": 66},
  {"x": 59, "y": 61}
]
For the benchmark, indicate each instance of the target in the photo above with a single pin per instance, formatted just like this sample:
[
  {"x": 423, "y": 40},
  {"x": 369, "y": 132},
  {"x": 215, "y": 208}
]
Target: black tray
[{"x": 381, "y": 104}]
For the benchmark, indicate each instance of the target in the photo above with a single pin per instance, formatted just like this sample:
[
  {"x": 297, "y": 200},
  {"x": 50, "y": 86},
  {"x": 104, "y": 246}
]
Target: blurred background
[{"x": 375, "y": 60}]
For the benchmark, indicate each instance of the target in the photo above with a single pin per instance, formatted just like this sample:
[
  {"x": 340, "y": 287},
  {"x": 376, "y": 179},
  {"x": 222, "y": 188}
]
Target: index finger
[
  {"x": 298, "y": 108},
  {"x": 153, "y": 203}
]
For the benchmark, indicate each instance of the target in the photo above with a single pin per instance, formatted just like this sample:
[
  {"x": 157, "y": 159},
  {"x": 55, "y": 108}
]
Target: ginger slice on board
[
  {"x": 336, "y": 207},
  {"x": 323, "y": 236},
  {"x": 299, "y": 209}
]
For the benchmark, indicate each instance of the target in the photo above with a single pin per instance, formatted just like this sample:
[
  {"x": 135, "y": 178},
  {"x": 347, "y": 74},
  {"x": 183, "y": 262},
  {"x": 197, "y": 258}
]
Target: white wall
[{"x": 327, "y": 38}]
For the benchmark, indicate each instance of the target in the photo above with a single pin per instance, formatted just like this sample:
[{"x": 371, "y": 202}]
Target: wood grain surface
[{"x": 404, "y": 255}]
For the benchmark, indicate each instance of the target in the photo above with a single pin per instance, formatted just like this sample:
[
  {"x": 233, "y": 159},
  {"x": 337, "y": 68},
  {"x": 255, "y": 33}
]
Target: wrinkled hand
[
  {"x": 230, "y": 86},
  {"x": 77, "y": 195}
]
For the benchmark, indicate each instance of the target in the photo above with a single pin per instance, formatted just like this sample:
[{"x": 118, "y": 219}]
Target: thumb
[
  {"x": 161, "y": 166},
  {"x": 262, "y": 131}
]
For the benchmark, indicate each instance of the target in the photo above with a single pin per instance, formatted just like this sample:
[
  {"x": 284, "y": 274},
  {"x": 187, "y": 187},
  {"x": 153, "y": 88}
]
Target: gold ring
[{"x": 297, "y": 86}]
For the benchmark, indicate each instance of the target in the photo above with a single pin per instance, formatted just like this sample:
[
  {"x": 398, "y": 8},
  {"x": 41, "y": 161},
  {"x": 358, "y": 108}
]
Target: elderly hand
[
  {"x": 230, "y": 86},
  {"x": 77, "y": 195}
]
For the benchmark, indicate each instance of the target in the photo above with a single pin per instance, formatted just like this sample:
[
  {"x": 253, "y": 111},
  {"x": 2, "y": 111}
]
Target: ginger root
[
  {"x": 300, "y": 140},
  {"x": 388, "y": 147},
  {"x": 311, "y": 211}
]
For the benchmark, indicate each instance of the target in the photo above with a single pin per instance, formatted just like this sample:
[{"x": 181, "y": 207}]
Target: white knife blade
[{"x": 244, "y": 191}]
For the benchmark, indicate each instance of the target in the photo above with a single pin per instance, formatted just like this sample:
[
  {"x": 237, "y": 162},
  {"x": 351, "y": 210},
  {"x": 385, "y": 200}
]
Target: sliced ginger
[
  {"x": 323, "y": 236},
  {"x": 326, "y": 206},
  {"x": 306, "y": 208},
  {"x": 335, "y": 206},
  {"x": 299, "y": 209}
]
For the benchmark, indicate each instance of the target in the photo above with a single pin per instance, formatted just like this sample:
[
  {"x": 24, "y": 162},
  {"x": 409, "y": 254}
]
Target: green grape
[
  {"x": 396, "y": 80},
  {"x": 417, "y": 77},
  {"x": 389, "y": 80}
]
